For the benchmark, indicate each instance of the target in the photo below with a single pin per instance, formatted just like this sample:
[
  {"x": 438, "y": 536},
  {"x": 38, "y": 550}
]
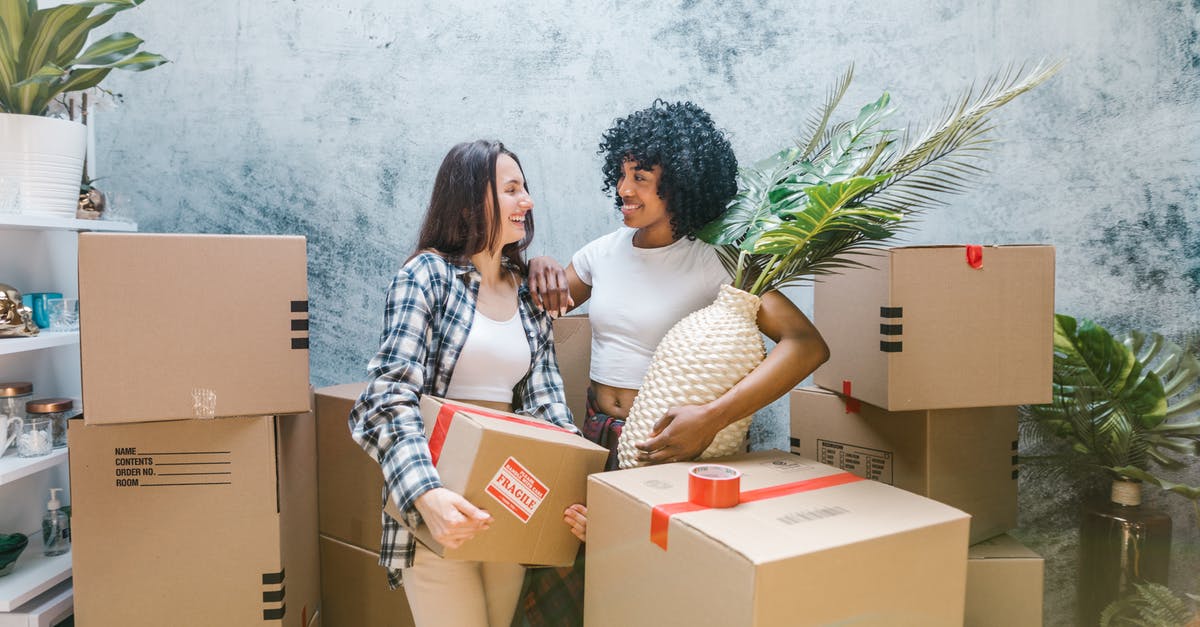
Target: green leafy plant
[
  {"x": 1126, "y": 406},
  {"x": 1150, "y": 605},
  {"x": 42, "y": 51},
  {"x": 849, "y": 187}
]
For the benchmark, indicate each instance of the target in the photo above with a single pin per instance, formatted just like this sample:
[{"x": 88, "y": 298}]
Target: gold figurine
[{"x": 16, "y": 320}]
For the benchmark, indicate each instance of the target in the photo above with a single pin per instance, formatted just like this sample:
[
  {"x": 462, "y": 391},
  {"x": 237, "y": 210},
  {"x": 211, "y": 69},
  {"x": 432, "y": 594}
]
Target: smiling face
[
  {"x": 515, "y": 201},
  {"x": 641, "y": 206}
]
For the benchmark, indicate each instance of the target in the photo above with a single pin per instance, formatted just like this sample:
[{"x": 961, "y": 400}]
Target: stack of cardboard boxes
[
  {"x": 932, "y": 347},
  {"x": 193, "y": 471}
]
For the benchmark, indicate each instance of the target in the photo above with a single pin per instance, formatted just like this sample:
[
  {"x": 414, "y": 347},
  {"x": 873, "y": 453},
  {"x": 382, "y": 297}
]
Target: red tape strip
[
  {"x": 660, "y": 515},
  {"x": 441, "y": 427},
  {"x": 975, "y": 256},
  {"x": 852, "y": 404}
]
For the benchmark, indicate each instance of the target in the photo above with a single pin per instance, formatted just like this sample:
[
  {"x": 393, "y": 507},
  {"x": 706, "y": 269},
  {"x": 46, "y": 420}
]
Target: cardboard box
[
  {"x": 573, "y": 347},
  {"x": 524, "y": 472},
  {"x": 196, "y": 522},
  {"x": 855, "y": 552},
  {"x": 354, "y": 589},
  {"x": 349, "y": 482},
  {"x": 192, "y": 326},
  {"x": 965, "y": 458},
  {"x": 1004, "y": 584},
  {"x": 923, "y": 329}
]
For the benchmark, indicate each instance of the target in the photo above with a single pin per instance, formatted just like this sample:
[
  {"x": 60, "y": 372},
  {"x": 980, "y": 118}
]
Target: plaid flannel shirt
[{"x": 430, "y": 306}]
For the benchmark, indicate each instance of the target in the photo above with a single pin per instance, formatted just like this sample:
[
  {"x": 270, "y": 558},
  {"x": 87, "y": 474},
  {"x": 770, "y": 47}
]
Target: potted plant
[
  {"x": 42, "y": 56},
  {"x": 846, "y": 188},
  {"x": 1127, "y": 408}
]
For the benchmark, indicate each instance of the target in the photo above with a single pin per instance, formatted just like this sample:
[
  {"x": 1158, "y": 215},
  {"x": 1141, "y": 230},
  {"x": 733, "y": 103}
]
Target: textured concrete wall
[{"x": 329, "y": 119}]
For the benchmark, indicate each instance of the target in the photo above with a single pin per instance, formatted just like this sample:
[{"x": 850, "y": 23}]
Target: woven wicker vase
[{"x": 700, "y": 359}]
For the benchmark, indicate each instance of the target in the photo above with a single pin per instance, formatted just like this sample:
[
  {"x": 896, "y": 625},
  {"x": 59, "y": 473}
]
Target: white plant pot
[{"x": 42, "y": 159}]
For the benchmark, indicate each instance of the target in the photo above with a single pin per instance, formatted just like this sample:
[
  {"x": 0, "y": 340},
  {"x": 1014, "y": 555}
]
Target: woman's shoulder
[{"x": 622, "y": 236}]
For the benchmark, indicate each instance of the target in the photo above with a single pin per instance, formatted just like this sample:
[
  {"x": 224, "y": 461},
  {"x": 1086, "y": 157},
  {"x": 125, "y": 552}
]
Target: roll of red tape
[{"x": 714, "y": 485}]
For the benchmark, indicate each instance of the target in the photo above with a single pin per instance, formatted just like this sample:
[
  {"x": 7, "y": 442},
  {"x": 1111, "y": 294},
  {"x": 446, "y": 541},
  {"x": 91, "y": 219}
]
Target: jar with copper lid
[
  {"x": 13, "y": 396},
  {"x": 57, "y": 410}
]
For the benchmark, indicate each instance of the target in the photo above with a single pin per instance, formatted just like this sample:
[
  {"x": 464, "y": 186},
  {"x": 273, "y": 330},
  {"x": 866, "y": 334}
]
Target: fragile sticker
[{"x": 517, "y": 490}]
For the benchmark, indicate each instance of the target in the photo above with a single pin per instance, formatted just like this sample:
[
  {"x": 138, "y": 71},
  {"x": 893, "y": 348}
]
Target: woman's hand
[
  {"x": 549, "y": 286},
  {"x": 576, "y": 518},
  {"x": 451, "y": 518}
]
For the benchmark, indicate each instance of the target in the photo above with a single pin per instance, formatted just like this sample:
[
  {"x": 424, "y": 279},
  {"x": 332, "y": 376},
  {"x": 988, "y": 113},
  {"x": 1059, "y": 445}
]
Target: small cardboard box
[
  {"x": 349, "y": 482},
  {"x": 925, "y": 329},
  {"x": 523, "y": 471},
  {"x": 573, "y": 347},
  {"x": 808, "y": 545},
  {"x": 965, "y": 458},
  {"x": 192, "y": 326},
  {"x": 354, "y": 589},
  {"x": 1004, "y": 584},
  {"x": 196, "y": 522}
]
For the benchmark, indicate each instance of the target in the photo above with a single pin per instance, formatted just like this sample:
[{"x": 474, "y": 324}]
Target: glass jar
[
  {"x": 36, "y": 438},
  {"x": 13, "y": 396},
  {"x": 57, "y": 411}
]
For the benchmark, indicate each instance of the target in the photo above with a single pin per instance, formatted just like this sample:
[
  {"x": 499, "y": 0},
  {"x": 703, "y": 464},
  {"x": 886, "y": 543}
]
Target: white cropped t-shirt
[
  {"x": 493, "y": 360},
  {"x": 638, "y": 294}
]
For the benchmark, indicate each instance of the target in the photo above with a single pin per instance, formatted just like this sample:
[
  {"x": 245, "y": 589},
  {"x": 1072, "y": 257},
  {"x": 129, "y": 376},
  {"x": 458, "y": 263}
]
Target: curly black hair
[{"x": 699, "y": 167}]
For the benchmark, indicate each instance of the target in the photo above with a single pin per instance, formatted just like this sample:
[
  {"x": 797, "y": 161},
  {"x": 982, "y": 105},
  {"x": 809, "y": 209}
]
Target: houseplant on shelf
[
  {"x": 1128, "y": 408},
  {"x": 42, "y": 55},
  {"x": 845, "y": 188}
]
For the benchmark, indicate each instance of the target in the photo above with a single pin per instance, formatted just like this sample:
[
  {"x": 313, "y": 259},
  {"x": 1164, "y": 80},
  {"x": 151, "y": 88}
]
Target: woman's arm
[
  {"x": 554, "y": 289},
  {"x": 684, "y": 432}
]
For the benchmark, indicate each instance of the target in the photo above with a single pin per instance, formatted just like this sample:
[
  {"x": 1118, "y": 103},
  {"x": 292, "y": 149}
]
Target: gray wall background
[{"x": 328, "y": 119}]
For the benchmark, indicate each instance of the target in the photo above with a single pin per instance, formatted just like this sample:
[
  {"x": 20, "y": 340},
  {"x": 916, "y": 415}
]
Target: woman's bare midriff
[{"x": 613, "y": 401}]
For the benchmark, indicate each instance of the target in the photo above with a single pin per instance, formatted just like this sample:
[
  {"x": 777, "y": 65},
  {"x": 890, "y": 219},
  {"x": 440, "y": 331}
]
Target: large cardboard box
[
  {"x": 965, "y": 458},
  {"x": 925, "y": 329},
  {"x": 573, "y": 347},
  {"x": 524, "y": 472},
  {"x": 791, "y": 553},
  {"x": 196, "y": 522},
  {"x": 349, "y": 482},
  {"x": 1004, "y": 584},
  {"x": 192, "y": 326},
  {"x": 354, "y": 589}
]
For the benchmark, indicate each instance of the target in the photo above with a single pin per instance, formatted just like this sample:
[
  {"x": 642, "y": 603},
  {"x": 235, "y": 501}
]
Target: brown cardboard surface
[
  {"x": 573, "y": 347},
  {"x": 482, "y": 451},
  {"x": 354, "y": 589},
  {"x": 191, "y": 326},
  {"x": 861, "y": 553},
  {"x": 955, "y": 336},
  {"x": 349, "y": 482},
  {"x": 1004, "y": 584},
  {"x": 196, "y": 522},
  {"x": 965, "y": 458}
]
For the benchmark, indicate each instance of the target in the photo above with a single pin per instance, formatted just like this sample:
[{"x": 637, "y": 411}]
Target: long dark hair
[{"x": 456, "y": 225}]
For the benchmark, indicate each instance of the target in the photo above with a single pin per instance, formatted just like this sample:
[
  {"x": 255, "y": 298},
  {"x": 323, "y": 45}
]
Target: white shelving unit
[{"x": 39, "y": 254}]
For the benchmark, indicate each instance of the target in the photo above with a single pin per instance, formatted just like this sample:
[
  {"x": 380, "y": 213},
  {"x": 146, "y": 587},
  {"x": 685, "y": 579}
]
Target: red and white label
[{"x": 517, "y": 489}]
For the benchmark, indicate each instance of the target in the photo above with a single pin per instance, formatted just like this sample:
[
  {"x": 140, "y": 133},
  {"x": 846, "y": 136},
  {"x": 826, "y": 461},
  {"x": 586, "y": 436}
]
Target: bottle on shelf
[{"x": 56, "y": 527}]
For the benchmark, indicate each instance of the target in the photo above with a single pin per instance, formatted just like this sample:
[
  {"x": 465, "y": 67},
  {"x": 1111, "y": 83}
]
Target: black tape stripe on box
[
  {"x": 891, "y": 347},
  {"x": 299, "y": 306},
  {"x": 300, "y": 325},
  {"x": 275, "y": 614},
  {"x": 300, "y": 343},
  {"x": 272, "y": 578},
  {"x": 273, "y": 596},
  {"x": 891, "y": 329},
  {"x": 891, "y": 312}
]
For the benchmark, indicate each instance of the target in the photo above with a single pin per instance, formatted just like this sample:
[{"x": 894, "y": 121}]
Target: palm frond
[{"x": 818, "y": 121}]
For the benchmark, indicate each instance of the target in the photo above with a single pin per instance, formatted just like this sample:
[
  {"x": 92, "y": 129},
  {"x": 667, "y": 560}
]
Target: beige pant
[{"x": 448, "y": 593}]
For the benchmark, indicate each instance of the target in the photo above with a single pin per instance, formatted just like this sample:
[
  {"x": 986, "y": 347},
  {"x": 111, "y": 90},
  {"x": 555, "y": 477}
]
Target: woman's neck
[
  {"x": 491, "y": 270},
  {"x": 653, "y": 238}
]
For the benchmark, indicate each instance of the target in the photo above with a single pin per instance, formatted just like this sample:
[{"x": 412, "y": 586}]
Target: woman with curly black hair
[{"x": 672, "y": 171}]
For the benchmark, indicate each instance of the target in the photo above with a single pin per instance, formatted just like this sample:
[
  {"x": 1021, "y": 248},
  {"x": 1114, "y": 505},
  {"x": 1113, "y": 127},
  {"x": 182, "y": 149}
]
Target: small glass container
[
  {"x": 57, "y": 410},
  {"x": 13, "y": 396},
  {"x": 36, "y": 438}
]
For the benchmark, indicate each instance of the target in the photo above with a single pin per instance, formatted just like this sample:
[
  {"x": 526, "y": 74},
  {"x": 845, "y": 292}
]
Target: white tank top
[{"x": 493, "y": 360}]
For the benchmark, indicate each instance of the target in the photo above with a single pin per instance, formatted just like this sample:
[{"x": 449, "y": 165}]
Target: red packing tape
[
  {"x": 852, "y": 404},
  {"x": 441, "y": 427},
  {"x": 660, "y": 515},
  {"x": 714, "y": 485},
  {"x": 975, "y": 256}
]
